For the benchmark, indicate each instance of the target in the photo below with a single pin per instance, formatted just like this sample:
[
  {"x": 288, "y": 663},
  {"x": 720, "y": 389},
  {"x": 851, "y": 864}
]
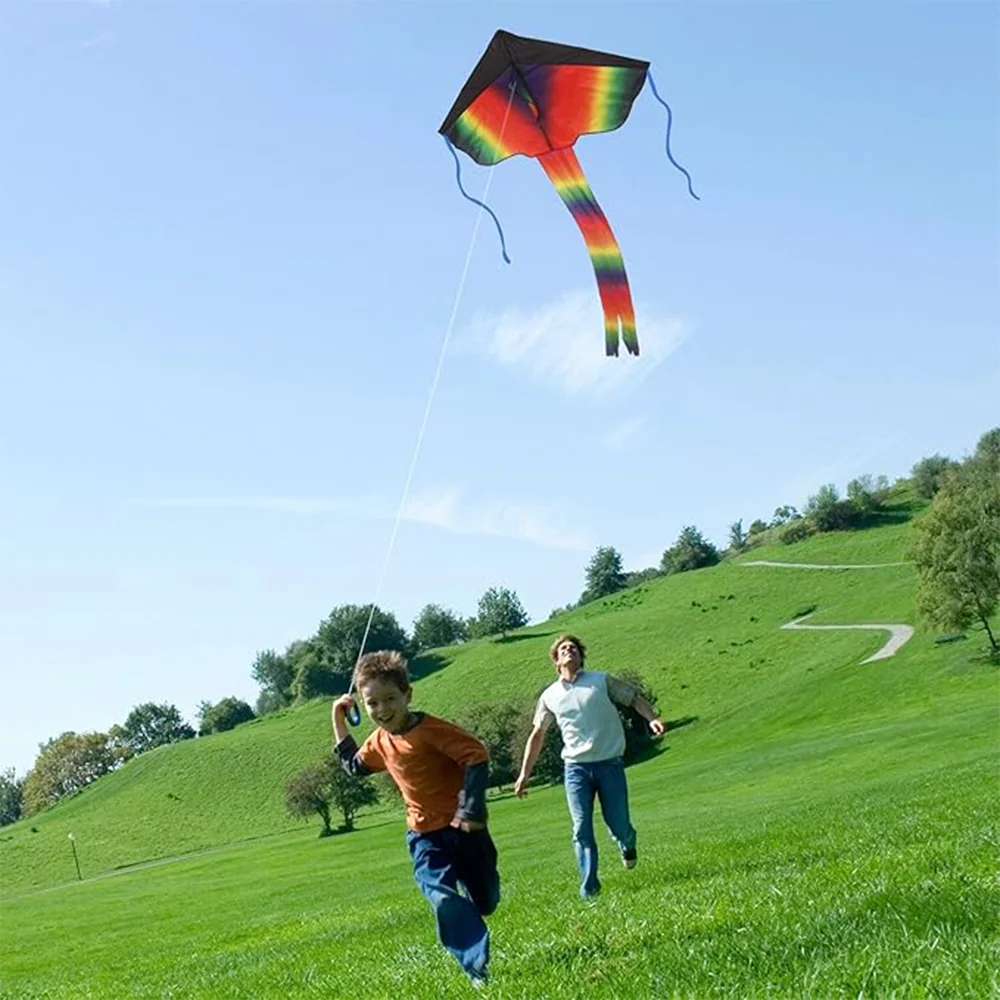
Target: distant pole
[{"x": 76, "y": 860}]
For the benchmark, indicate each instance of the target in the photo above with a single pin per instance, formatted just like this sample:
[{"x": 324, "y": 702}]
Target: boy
[
  {"x": 441, "y": 771},
  {"x": 581, "y": 702}
]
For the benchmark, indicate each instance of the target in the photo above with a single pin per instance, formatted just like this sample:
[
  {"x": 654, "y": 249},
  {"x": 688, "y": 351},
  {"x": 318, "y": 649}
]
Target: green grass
[{"x": 822, "y": 828}]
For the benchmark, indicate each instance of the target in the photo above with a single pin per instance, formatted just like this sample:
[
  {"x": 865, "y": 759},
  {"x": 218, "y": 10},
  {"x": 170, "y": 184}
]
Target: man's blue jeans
[
  {"x": 444, "y": 859},
  {"x": 606, "y": 780}
]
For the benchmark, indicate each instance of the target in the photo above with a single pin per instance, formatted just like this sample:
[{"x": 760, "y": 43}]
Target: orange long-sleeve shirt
[{"x": 429, "y": 763}]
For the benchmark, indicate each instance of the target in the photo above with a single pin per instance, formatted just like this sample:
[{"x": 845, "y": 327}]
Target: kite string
[{"x": 430, "y": 400}]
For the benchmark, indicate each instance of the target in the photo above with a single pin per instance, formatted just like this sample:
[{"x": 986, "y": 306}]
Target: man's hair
[
  {"x": 385, "y": 665},
  {"x": 553, "y": 652}
]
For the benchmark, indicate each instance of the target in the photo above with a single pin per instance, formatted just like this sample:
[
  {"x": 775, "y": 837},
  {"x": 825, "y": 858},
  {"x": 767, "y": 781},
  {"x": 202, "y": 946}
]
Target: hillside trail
[{"x": 899, "y": 633}]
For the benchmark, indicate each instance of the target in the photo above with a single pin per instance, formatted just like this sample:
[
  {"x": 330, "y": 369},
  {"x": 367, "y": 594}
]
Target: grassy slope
[
  {"x": 706, "y": 660},
  {"x": 822, "y": 828}
]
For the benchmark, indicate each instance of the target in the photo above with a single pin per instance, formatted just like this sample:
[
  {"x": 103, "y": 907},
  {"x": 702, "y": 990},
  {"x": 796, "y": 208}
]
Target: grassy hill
[
  {"x": 820, "y": 827},
  {"x": 690, "y": 636},
  {"x": 708, "y": 643}
]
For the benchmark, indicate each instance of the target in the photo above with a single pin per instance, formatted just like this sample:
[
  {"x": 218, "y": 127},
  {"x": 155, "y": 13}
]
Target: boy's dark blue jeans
[{"x": 445, "y": 860}]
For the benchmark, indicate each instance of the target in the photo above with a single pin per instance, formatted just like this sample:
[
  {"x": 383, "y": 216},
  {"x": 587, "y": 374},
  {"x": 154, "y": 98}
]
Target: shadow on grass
[
  {"x": 656, "y": 747},
  {"x": 673, "y": 724},
  {"x": 889, "y": 515},
  {"x": 339, "y": 831},
  {"x": 503, "y": 640},
  {"x": 425, "y": 664},
  {"x": 500, "y": 794}
]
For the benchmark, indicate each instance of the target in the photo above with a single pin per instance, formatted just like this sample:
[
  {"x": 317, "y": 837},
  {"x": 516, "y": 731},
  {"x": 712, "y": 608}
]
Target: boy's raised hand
[
  {"x": 341, "y": 707},
  {"x": 343, "y": 704}
]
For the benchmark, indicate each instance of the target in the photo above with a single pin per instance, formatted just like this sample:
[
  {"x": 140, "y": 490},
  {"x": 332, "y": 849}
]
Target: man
[{"x": 582, "y": 704}]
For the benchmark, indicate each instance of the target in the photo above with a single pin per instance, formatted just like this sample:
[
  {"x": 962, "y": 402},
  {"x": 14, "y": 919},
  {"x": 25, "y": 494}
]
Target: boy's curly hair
[
  {"x": 576, "y": 642},
  {"x": 385, "y": 665}
]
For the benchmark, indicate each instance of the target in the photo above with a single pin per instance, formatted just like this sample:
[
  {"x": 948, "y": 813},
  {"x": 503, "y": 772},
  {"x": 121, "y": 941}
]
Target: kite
[{"x": 536, "y": 98}]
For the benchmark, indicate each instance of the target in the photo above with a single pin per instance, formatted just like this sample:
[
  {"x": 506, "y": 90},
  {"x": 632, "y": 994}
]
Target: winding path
[
  {"x": 793, "y": 565},
  {"x": 899, "y": 634}
]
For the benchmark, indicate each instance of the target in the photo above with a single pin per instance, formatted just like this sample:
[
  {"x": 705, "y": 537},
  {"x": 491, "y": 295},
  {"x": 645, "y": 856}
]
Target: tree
[
  {"x": 555, "y": 612},
  {"x": 784, "y": 514},
  {"x": 929, "y": 473},
  {"x": 274, "y": 673},
  {"x": 224, "y": 715},
  {"x": 436, "y": 626},
  {"x": 497, "y": 726},
  {"x": 151, "y": 725},
  {"x": 691, "y": 551},
  {"x": 500, "y": 612},
  {"x": 340, "y": 635},
  {"x": 867, "y": 495},
  {"x": 737, "y": 536},
  {"x": 268, "y": 702},
  {"x": 828, "y": 512},
  {"x": 638, "y": 576},
  {"x": 605, "y": 574},
  {"x": 796, "y": 531},
  {"x": 987, "y": 451},
  {"x": 957, "y": 548},
  {"x": 323, "y": 786},
  {"x": 66, "y": 765},
  {"x": 313, "y": 677},
  {"x": 11, "y": 797}
]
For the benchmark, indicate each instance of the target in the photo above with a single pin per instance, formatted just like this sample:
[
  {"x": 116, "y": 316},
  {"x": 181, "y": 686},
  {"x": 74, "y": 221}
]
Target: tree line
[{"x": 956, "y": 551}]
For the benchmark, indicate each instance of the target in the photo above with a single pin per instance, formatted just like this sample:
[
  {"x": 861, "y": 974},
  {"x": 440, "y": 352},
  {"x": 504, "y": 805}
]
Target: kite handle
[
  {"x": 649, "y": 76},
  {"x": 475, "y": 201},
  {"x": 354, "y": 714}
]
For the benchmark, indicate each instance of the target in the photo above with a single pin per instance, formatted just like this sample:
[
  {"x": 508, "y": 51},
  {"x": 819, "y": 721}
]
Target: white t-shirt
[{"x": 585, "y": 713}]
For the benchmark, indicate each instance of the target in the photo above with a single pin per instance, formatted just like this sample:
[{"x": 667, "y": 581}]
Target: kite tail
[
  {"x": 476, "y": 201},
  {"x": 670, "y": 116},
  {"x": 567, "y": 177}
]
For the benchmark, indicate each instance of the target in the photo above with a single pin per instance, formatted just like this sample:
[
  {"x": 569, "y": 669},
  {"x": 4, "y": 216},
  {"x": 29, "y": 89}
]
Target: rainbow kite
[{"x": 536, "y": 98}]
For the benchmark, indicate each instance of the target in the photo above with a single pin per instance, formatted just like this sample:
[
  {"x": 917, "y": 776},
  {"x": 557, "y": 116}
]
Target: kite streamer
[{"x": 566, "y": 174}]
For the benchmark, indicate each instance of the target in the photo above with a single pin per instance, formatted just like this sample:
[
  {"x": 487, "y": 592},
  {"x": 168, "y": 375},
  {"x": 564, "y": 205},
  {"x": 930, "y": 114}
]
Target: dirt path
[
  {"x": 899, "y": 634},
  {"x": 793, "y": 565}
]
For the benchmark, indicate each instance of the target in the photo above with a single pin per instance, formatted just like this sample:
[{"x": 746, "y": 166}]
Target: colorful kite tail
[{"x": 567, "y": 177}]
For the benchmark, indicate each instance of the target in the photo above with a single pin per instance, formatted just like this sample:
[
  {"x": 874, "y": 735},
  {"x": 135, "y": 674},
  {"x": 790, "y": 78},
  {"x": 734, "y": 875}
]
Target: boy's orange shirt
[{"x": 428, "y": 765}]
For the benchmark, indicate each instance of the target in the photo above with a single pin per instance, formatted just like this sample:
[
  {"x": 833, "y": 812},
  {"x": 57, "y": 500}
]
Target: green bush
[
  {"x": 496, "y": 725},
  {"x": 796, "y": 531}
]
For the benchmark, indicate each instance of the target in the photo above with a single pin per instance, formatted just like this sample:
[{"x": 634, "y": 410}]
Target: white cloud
[
  {"x": 543, "y": 526},
  {"x": 625, "y": 435},
  {"x": 564, "y": 342},
  {"x": 445, "y": 508}
]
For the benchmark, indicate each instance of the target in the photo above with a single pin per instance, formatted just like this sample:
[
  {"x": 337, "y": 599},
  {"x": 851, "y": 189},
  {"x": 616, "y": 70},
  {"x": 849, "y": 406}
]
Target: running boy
[
  {"x": 441, "y": 771},
  {"x": 581, "y": 703}
]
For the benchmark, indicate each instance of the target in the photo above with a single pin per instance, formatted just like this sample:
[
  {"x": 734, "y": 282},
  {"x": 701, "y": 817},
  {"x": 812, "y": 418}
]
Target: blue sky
[{"x": 230, "y": 243}]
